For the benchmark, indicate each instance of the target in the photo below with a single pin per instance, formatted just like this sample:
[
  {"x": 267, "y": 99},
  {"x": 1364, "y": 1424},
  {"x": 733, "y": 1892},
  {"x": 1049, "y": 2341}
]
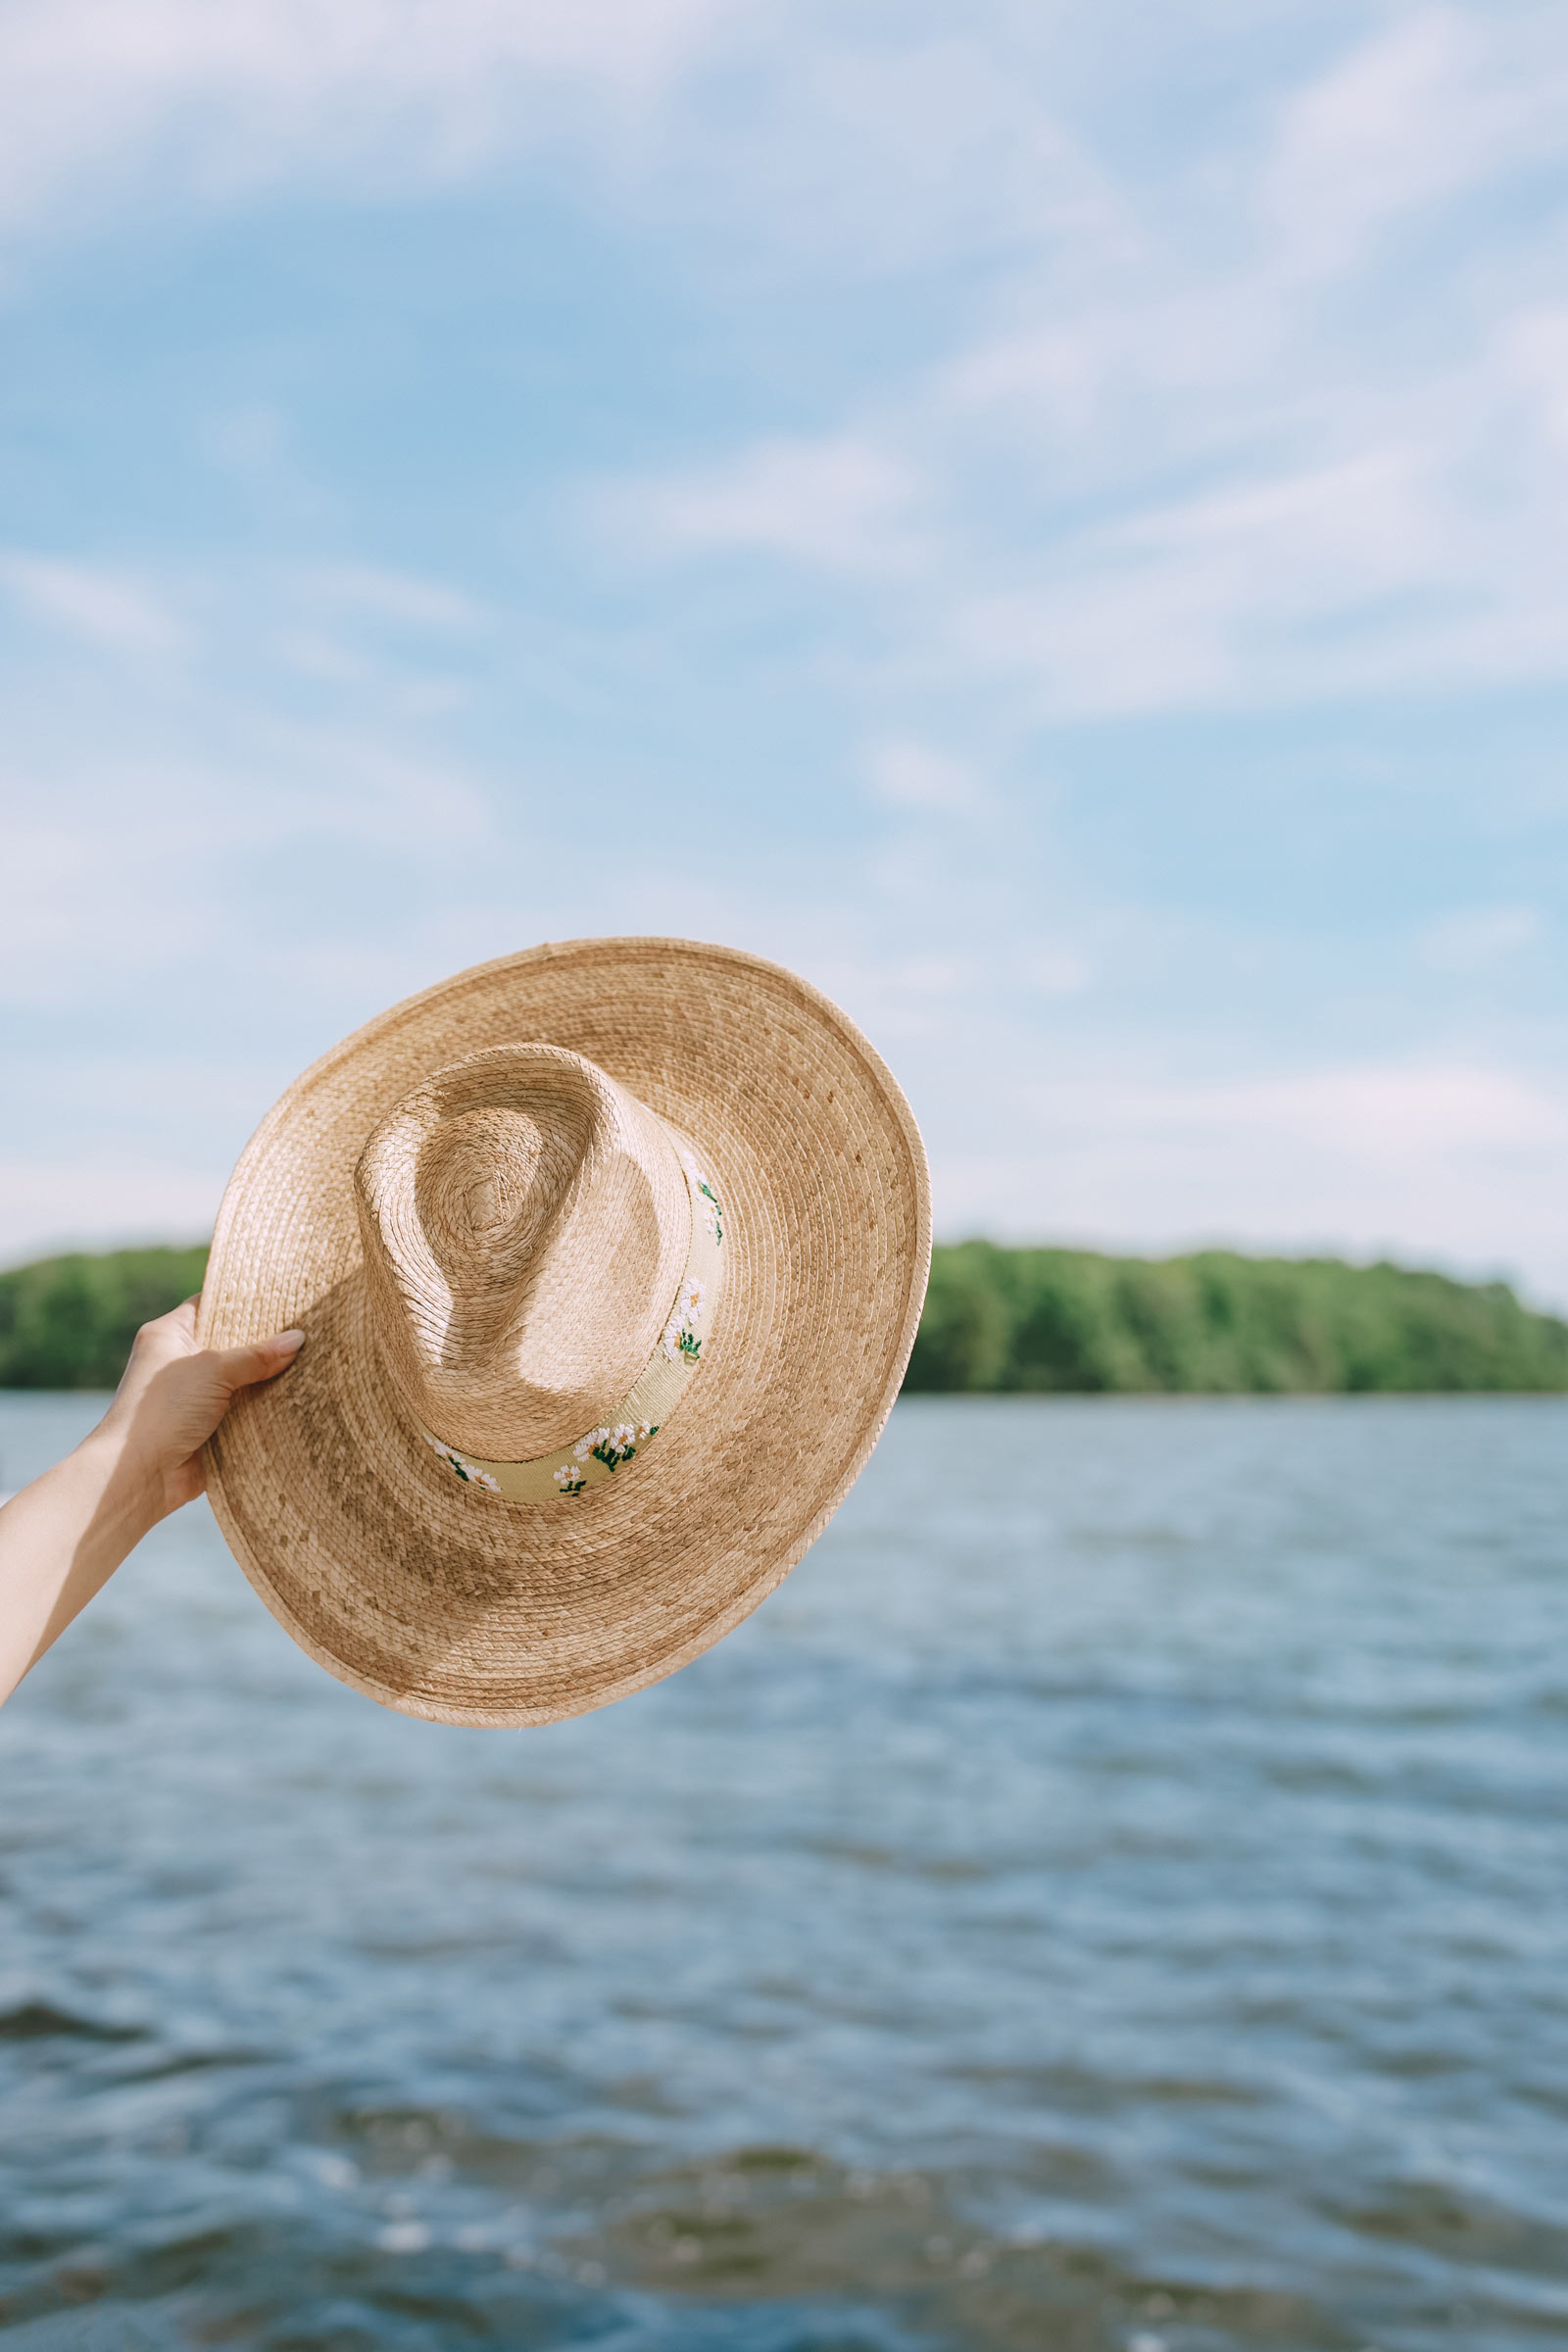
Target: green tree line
[
  {"x": 1070, "y": 1320},
  {"x": 67, "y": 1322},
  {"x": 998, "y": 1321}
]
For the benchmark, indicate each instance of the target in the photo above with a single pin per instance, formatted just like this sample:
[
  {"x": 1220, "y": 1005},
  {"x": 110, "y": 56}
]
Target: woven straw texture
[{"x": 461, "y": 1606}]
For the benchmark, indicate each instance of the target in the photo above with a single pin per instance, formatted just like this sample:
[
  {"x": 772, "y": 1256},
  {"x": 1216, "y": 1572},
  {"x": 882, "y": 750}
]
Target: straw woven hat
[{"x": 608, "y": 1258}]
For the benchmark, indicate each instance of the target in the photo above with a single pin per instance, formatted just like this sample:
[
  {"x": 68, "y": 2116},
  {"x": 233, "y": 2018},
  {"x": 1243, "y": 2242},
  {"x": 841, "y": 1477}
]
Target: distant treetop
[
  {"x": 997, "y": 1322},
  {"x": 1070, "y": 1320},
  {"x": 67, "y": 1322}
]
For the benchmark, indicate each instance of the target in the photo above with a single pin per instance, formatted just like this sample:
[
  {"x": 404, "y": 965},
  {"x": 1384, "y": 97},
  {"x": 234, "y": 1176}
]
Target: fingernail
[{"x": 287, "y": 1341}]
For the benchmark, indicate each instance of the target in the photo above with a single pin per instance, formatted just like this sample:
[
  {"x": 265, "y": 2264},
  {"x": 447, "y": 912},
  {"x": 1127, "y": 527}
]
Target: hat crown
[{"x": 525, "y": 1223}]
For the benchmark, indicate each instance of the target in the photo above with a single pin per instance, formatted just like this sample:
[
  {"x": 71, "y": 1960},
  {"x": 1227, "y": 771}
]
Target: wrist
[{"x": 128, "y": 1486}]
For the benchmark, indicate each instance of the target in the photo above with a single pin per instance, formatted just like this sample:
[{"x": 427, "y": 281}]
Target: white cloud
[
  {"x": 359, "y": 625},
  {"x": 108, "y": 608},
  {"x": 49, "y": 1206},
  {"x": 917, "y": 777},
  {"x": 880, "y": 143},
  {"x": 1056, "y": 972},
  {"x": 1426, "y": 108},
  {"x": 1340, "y": 575},
  {"x": 399, "y": 597},
  {"x": 1166, "y": 460},
  {"x": 254, "y": 91},
  {"x": 1388, "y": 1112},
  {"x": 1480, "y": 938},
  {"x": 1218, "y": 444},
  {"x": 125, "y": 861},
  {"x": 1142, "y": 407},
  {"x": 1459, "y": 1165},
  {"x": 843, "y": 503},
  {"x": 1533, "y": 347}
]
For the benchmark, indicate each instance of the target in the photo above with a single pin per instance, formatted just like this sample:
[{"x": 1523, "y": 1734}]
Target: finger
[{"x": 242, "y": 1367}]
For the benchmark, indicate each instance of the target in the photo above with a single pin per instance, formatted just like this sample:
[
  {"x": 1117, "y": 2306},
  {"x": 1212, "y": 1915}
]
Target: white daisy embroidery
[
  {"x": 470, "y": 1472},
  {"x": 682, "y": 1339},
  {"x": 707, "y": 1202}
]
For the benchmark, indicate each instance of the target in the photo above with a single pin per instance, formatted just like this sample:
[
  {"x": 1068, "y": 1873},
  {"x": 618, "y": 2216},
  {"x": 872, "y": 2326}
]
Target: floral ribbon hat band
[{"x": 557, "y": 1232}]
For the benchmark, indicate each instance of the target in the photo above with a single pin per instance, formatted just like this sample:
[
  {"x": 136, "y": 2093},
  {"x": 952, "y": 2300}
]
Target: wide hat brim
[{"x": 460, "y": 1606}]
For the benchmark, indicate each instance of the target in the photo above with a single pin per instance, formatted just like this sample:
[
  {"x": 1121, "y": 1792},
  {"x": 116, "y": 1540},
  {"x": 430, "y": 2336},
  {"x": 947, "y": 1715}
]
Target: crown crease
[{"x": 525, "y": 1222}]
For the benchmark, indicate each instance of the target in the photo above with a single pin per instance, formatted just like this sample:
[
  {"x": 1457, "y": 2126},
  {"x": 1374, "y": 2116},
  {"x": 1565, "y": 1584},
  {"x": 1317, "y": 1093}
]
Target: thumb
[{"x": 242, "y": 1367}]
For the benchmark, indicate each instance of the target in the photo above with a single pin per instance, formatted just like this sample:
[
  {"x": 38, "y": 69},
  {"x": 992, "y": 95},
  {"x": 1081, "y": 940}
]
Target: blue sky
[{"x": 1050, "y": 520}]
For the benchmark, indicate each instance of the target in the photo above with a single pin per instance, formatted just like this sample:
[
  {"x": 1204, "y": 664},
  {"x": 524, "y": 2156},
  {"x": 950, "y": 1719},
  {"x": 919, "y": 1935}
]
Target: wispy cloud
[
  {"x": 1435, "y": 103},
  {"x": 841, "y": 503},
  {"x": 1406, "y": 1159},
  {"x": 1480, "y": 938},
  {"x": 64, "y": 1203},
  {"x": 1388, "y": 1112},
  {"x": 846, "y": 479},
  {"x": 257, "y": 91},
  {"x": 399, "y": 597},
  {"x": 107, "y": 606},
  {"x": 919, "y": 777},
  {"x": 1254, "y": 426},
  {"x": 134, "y": 859}
]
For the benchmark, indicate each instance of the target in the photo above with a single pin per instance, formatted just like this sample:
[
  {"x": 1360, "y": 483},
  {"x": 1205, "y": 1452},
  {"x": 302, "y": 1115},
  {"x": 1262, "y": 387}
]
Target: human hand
[
  {"x": 171, "y": 1396},
  {"x": 63, "y": 1536}
]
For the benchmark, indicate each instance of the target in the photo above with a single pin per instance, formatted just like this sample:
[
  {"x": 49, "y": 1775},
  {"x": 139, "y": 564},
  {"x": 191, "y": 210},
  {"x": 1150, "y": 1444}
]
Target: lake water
[{"x": 1114, "y": 1897}]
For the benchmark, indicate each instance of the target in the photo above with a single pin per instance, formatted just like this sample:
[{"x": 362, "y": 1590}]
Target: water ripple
[{"x": 1121, "y": 1910}]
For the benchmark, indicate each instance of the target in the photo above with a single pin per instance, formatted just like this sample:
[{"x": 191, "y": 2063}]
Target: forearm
[
  {"x": 64, "y": 1537},
  {"x": 61, "y": 1538}
]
